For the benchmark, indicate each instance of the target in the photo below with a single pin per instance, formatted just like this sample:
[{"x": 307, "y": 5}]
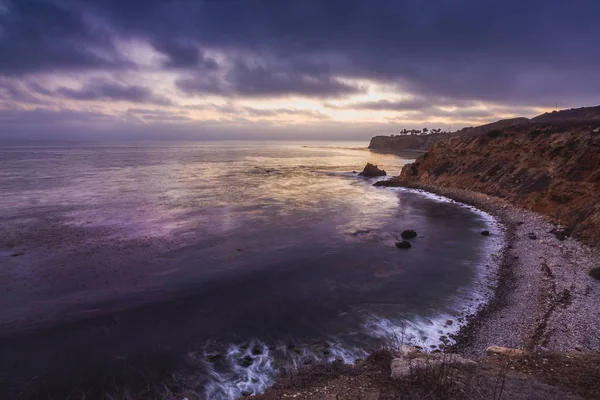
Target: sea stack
[{"x": 371, "y": 170}]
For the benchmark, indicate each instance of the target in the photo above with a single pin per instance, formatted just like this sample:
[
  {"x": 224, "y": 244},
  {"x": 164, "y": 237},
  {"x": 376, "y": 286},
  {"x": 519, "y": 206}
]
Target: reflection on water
[{"x": 203, "y": 248}]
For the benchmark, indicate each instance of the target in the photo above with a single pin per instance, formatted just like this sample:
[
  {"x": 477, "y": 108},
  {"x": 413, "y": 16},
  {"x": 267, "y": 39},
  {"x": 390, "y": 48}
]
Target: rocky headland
[{"x": 539, "y": 335}]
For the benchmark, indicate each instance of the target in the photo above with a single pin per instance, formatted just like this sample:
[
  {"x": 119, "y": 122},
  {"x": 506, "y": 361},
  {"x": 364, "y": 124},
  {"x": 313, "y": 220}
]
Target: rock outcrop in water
[
  {"x": 371, "y": 170},
  {"x": 550, "y": 165},
  {"x": 408, "y": 234}
]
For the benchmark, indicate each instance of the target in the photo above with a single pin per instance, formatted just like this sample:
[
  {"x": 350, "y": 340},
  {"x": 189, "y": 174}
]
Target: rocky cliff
[
  {"x": 403, "y": 143},
  {"x": 550, "y": 165}
]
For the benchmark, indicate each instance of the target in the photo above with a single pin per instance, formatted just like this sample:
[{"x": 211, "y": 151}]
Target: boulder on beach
[
  {"x": 403, "y": 245},
  {"x": 409, "y": 360},
  {"x": 485, "y": 233},
  {"x": 408, "y": 234},
  {"x": 503, "y": 351},
  {"x": 371, "y": 170}
]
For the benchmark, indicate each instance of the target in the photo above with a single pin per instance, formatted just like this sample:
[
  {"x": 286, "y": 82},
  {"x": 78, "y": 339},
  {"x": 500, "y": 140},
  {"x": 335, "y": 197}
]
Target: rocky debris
[
  {"x": 17, "y": 254},
  {"x": 403, "y": 245},
  {"x": 257, "y": 350},
  {"x": 371, "y": 170},
  {"x": 532, "y": 236},
  {"x": 408, "y": 234},
  {"x": 485, "y": 233},
  {"x": 560, "y": 234},
  {"x": 409, "y": 359},
  {"x": 503, "y": 351}
]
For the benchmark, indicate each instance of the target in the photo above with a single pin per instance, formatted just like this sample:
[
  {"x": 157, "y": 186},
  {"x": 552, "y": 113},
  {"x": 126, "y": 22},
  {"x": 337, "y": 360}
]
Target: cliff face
[
  {"x": 403, "y": 143},
  {"x": 551, "y": 168}
]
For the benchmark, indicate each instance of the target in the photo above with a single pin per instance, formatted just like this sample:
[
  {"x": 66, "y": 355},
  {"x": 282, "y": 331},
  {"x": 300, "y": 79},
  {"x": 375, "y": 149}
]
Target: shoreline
[
  {"x": 543, "y": 302},
  {"x": 544, "y": 298}
]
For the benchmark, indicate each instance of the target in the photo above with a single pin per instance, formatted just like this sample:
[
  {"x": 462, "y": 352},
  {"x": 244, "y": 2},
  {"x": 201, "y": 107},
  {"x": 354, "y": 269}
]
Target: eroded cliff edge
[{"x": 550, "y": 165}]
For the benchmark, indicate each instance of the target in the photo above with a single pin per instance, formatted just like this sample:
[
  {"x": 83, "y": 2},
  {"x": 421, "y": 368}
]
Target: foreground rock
[
  {"x": 411, "y": 360},
  {"x": 503, "y": 351},
  {"x": 371, "y": 170}
]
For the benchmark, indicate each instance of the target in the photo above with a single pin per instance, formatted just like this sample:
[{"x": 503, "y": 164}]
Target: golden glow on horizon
[{"x": 285, "y": 110}]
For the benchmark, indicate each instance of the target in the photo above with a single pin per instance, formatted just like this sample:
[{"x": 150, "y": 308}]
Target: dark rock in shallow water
[
  {"x": 246, "y": 361},
  {"x": 408, "y": 234},
  {"x": 256, "y": 351},
  {"x": 485, "y": 233},
  {"x": 403, "y": 245},
  {"x": 372, "y": 170}
]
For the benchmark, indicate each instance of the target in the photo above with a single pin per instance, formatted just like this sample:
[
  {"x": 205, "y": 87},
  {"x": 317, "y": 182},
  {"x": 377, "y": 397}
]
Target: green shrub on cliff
[{"x": 595, "y": 273}]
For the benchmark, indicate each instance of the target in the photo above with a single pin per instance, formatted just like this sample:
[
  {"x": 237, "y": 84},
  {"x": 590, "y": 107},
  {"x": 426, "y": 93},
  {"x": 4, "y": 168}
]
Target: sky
[{"x": 286, "y": 69}]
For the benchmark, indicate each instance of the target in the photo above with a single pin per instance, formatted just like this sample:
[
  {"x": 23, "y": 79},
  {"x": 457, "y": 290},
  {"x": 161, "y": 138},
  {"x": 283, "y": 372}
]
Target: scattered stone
[
  {"x": 561, "y": 234},
  {"x": 372, "y": 170},
  {"x": 595, "y": 273},
  {"x": 256, "y": 351},
  {"x": 531, "y": 236},
  {"x": 403, "y": 245},
  {"x": 408, "y": 234},
  {"x": 503, "y": 351},
  {"x": 17, "y": 254},
  {"x": 485, "y": 233},
  {"x": 449, "y": 322}
]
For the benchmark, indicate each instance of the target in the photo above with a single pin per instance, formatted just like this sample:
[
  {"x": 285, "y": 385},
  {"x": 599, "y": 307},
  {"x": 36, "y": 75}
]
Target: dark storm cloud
[
  {"x": 103, "y": 90},
  {"x": 512, "y": 51},
  {"x": 38, "y": 35},
  {"x": 183, "y": 54},
  {"x": 523, "y": 52},
  {"x": 261, "y": 81}
]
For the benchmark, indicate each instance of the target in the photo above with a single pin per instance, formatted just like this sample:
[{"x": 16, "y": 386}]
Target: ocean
[{"x": 231, "y": 260}]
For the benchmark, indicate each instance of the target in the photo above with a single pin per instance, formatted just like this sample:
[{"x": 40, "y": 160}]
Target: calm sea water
[{"x": 234, "y": 258}]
